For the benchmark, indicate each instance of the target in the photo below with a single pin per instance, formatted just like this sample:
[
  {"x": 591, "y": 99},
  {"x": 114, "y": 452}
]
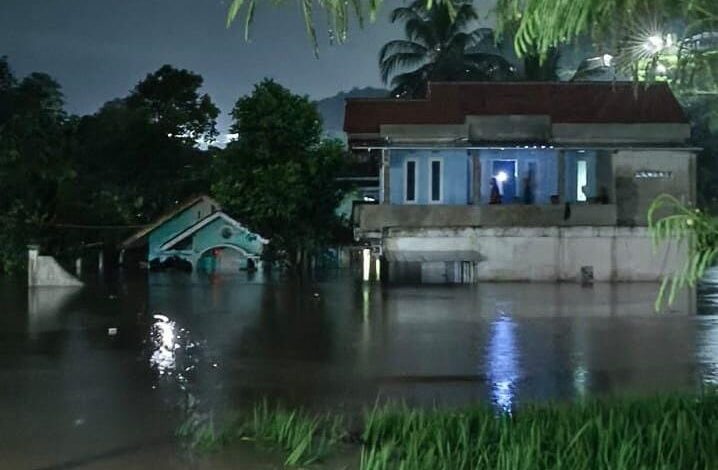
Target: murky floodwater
[{"x": 95, "y": 378}]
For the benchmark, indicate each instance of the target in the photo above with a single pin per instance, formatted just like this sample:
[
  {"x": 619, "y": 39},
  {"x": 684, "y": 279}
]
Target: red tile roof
[{"x": 564, "y": 102}]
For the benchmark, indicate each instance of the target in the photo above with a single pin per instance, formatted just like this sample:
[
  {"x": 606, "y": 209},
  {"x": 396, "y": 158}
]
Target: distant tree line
[{"x": 68, "y": 181}]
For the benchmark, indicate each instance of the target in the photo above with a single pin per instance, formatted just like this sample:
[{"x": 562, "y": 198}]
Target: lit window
[{"x": 581, "y": 181}]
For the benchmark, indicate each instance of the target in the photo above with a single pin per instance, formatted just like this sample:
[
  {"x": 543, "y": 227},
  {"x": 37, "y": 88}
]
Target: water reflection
[
  {"x": 503, "y": 361},
  {"x": 45, "y": 306},
  {"x": 708, "y": 351},
  {"x": 163, "y": 338}
]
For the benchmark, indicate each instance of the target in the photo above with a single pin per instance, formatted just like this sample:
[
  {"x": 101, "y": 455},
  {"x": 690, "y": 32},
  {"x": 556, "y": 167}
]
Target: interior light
[{"x": 502, "y": 177}]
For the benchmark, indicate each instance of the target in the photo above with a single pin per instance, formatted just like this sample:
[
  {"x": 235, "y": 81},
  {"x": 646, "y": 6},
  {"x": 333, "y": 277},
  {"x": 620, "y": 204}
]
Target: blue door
[{"x": 505, "y": 173}]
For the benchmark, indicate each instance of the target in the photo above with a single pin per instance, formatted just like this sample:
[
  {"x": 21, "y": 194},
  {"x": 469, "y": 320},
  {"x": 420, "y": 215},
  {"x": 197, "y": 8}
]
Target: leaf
[{"x": 234, "y": 8}]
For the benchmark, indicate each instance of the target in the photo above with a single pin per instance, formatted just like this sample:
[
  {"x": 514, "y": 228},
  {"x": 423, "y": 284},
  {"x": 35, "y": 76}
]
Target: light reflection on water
[
  {"x": 503, "y": 361},
  {"x": 163, "y": 358}
]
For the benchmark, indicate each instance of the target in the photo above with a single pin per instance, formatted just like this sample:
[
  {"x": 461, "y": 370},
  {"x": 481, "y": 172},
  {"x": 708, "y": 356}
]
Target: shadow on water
[{"x": 103, "y": 375}]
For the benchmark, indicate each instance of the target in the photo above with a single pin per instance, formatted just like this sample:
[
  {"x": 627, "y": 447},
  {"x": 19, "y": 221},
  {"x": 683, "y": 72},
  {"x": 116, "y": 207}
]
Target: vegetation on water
[{"x": 660, "y": 432}]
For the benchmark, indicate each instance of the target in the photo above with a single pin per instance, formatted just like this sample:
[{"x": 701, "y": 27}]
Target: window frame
[{"x": 406, "y": 181}]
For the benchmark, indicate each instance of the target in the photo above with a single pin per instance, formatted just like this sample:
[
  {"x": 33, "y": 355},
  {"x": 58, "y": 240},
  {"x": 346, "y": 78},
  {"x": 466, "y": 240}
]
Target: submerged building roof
[
  {"x": 563, "y": 102},
  {"x": 140, "y": 236}
]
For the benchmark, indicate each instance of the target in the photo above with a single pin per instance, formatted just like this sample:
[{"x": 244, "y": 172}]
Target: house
[
  {"x": 195, "y": 232},
  {"x": 521, "y": 181}
]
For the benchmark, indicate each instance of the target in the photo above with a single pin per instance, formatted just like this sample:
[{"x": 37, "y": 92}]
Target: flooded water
[{"x": 97, "y": 377}]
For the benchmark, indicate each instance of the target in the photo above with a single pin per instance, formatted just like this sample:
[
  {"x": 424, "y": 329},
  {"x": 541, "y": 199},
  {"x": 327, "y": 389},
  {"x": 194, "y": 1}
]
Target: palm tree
[{"x": 440, "y": 46}]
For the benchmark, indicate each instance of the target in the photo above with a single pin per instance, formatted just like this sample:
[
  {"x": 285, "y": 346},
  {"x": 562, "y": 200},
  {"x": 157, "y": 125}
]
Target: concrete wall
[
  {"x": 535, "y": 128},
  {"x": 533, "y": 254},
  {"x": 45, "y": 271},
  {"x": 620, "y": 133},
  {"x": 634, "y": 194},
  {"x": 373, "y": 218}
]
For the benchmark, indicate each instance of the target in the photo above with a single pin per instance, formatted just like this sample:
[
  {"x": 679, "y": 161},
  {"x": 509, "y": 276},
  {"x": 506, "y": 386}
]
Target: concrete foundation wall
[{"x": 533, "y": 254}]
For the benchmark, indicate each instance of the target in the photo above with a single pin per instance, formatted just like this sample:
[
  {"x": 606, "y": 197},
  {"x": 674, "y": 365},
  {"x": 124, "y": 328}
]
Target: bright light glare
[
  {"x": 502, "y": 177},
  {"x": 661, "y": 69},
  {"x": 607, "y": 60},
  {"x": 654, "y": 43}
]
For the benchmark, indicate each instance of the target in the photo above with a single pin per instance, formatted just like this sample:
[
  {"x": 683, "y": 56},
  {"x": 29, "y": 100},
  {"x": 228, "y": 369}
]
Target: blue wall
[
  {"x": 456, "y": 172},
  {"x": 210, "y": 236},
  {"x": 545, "y": 179}
]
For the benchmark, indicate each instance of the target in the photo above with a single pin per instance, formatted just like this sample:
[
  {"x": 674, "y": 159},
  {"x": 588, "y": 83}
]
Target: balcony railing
[{"x": 376, "y": 217}]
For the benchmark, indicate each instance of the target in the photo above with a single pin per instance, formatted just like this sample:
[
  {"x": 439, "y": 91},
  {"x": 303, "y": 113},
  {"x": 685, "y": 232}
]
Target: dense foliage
[
  {"x": 34, "y": 161},
  {"x": 442, "y": 44},
  {"x": 279, "y": 175}
]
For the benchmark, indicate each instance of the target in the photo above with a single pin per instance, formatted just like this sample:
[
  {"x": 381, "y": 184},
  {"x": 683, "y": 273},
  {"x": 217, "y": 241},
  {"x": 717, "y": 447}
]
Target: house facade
[
  {"x": 195, "y": 232},
  {"x": 522, "y": 181}
]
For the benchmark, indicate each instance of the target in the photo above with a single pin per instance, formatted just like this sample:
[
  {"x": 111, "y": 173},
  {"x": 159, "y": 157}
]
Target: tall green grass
[
  {"x": 657, "y": 433},
  {"x": 670, "y": 432},
  {"x": 305, "y": 438}
]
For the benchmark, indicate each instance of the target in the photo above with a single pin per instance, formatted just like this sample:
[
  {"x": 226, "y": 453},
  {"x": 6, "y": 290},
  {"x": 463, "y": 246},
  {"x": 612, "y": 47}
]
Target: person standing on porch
[
  {"x": 528, "y": 191},
  {"x": 495, "y": 196}
]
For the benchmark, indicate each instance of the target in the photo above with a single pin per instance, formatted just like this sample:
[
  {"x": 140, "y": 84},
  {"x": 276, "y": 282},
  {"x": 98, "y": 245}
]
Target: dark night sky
[{"x": 99, "y": 49}]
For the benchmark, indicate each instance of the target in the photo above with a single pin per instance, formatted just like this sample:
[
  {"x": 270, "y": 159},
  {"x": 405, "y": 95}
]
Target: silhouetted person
[
  {"x": 529, "y": 189},
  {"x": 603, "y": 195},
  {"x": 495, "y": 196}
]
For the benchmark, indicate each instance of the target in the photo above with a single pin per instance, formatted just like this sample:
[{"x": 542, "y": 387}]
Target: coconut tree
[{"x": 442, "y": 44}]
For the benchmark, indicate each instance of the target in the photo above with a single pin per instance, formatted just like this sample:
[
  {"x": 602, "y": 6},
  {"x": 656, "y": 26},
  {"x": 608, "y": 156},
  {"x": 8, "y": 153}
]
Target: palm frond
[
  {"x": 411, "y": 84},
  {"x": 422, "y": 31},
  {"x": 399, "y": 60},
  {"x": 400, "y": 46}
]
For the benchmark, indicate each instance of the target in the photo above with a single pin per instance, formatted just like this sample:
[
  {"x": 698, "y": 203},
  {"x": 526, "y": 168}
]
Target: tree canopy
[
  {"x": 172, "y": 100},
  {"x": 279, "y": 175},
  {"x": 34, "y": 161}
]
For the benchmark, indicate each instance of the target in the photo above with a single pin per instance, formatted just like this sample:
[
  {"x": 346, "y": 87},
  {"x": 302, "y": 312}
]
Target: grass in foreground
[{"x": 652, "y": 433}]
